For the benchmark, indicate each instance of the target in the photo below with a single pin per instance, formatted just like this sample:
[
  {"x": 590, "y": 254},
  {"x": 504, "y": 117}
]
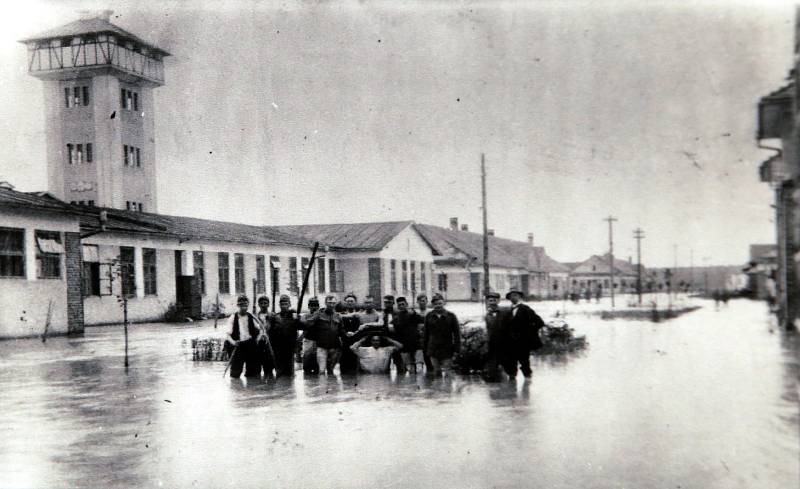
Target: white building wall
[{"x": 24, "y": 301}]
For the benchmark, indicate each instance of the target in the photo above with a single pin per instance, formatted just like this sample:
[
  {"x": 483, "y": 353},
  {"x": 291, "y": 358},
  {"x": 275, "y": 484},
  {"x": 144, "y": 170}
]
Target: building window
[
  {"x": 274, "y": 270},
  {"x": 393, "y": 274},
  {"x": 261, "y": 275},
  {"x": 129, "y": 100},
  {"x": 125, "y": 160},
  {"x": 91, "y": 270},
  {"x": 89, "y": 155},
  {"x": 443, "y": 282},
  {"x": 138, "y": 158},
  {"x": 423, "y": 282},
  {"x": 149, "y": 263},
  {"x": 131, "y": 156},
  {"x": 76, "y": 96},
  {"x": 48, "y": 254},
  {"x": 304, "y": 261},
  {"x": 321, "y": 276},
  {"x": 404, "y": 276},
  {"x": 91, "y": 203},
  {"x": 293, "y": 288},
  {"x": 238, "y": 272},
  {"x": 332, "y": 272},
  {"x": 127, "y": 271},
  {"x": 413, "y": 276},
  {"x": 199, "y": 271},
  {"x": 12, "y": 252},
  {"x": 223, "y": 272}
]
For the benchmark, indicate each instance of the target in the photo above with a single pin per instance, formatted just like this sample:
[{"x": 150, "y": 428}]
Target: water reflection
[{"x": 714, "y": 394}]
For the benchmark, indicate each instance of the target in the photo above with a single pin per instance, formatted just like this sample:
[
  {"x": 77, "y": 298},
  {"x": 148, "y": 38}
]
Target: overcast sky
[{"x": 369, "y": 111}]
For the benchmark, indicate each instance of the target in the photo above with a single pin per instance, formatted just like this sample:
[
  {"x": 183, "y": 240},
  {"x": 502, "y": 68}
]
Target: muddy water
[{"x": 708, "y": 400}]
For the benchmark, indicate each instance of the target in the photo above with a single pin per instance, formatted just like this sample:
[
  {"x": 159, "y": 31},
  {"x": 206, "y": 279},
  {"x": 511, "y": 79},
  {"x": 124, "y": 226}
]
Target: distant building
[
  {"x": 762, "y": 270},
  {"x": 594, "y": 274},
  {"x": 512, "y": 264}
]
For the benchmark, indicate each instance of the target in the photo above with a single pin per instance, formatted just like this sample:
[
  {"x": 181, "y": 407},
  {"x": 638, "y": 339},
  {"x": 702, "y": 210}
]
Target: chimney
[
  {"x": 464, "y": 227},
  {"x": 95, "y": 14},
  {"x": 490, "y": 232},
  {"x": 530, "y": 239},
  {"x": 454, "y": 223}
]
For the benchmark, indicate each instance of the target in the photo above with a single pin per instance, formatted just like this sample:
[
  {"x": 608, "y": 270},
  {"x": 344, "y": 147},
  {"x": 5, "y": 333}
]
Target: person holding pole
[
  {"x": 283, "y": 337},
  {"x": 243, "y": 332},
  {"x": 265, "y": 317},
  {"x": 328, "y": 331}
]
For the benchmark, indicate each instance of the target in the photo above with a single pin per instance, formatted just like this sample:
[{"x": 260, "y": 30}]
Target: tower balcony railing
[{"x": 86, "y": 52}]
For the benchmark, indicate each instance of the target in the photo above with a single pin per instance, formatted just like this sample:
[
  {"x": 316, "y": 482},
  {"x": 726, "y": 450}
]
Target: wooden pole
[
  {"x": 47, "y": 320},
  {"x": 125, "y": 325},
  {"x": 610, "y": 220},
  {"x": 485, "y": 228},
  {"x": 216, "y": 312},
  {"x": 305, "y": 278},
  {"x": 272, "y": 284},
  {"x": 638, "y": 235}
]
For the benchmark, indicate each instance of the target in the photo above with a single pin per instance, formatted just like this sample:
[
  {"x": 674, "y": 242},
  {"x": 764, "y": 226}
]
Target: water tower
[{"x": 99, "y": 111}]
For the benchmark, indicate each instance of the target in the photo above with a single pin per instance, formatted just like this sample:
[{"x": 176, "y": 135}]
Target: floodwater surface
[{"x": 707, "y": 400}]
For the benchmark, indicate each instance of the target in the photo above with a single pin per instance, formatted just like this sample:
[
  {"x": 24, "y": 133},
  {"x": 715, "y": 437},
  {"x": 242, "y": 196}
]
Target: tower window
[
  {"x": 70, "y": 154},
  {"x": 77, "y": 153},
  {"x": 76, "y": 96},
  {"x": 129, "y": 100},
  {"x": 131, "y": 156},
  {"x": 138, "y": 158},
  {"x": 88, "y": 152}
]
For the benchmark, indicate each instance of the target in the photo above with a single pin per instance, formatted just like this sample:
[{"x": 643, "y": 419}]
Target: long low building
[{"x": 67, "y": 266}]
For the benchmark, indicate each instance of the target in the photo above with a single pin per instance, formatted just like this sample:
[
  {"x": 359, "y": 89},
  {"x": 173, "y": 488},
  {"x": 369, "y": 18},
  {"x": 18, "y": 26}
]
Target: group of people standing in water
[{"x": 368, "y": 340}]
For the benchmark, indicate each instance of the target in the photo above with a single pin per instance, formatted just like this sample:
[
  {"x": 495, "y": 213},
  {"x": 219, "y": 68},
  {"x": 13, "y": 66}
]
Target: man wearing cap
[
  {"x": 442, "y": 336},
  {"x": 348, "y": 362},
  {"x": 309, "y": 352},
  {"x": 283, "y": 336},
  {"x": 496, "y": 331},
  {"x": 326, "y": 325},
  {"x": 406, "y": 333},
  {"x": 265, "y": 318},
  {"x": 523, "y": 330},
  {"x": 243, "y": 332},
  {"x": 369, "y": 315}
]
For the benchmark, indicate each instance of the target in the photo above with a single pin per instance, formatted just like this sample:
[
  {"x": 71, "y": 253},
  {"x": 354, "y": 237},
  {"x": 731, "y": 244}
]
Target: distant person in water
[
  {"x": 374, "y": 359},
  {"x": 309, "y": 350}
]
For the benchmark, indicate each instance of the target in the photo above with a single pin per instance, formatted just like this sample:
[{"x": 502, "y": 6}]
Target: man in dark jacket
[
  {"x": 283, "y": 336},
  {"x": 497, "y": 332},
  {"x": 348, "y": 363},
  {"x": 406, "y": 332},
  {"x": 523, "y": 329},
  {"x": 442, "y": 336},
  {"x": 327, "y": 327}
]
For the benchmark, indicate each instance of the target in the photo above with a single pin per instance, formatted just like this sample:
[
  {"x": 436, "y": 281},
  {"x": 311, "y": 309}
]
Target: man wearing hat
[
  {"x": 348, "y": 361},
  {"x": 523, "y": 329},
  {"x": 283, "y": 336},
  {"x": 243, "y": 332}
]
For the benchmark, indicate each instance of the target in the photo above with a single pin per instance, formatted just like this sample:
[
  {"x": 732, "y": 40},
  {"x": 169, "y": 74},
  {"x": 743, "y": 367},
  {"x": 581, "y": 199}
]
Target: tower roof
[{"x": 96, "y": 25}]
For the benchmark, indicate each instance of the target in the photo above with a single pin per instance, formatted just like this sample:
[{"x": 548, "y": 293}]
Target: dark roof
[
  {"x": 91, "y": 26},
  {"x": 600, "y": 263},
  {"x": 549, "y": 264},
  {"x": 34, "y": 200},
  {"x": 781, "y": 94},
  {"x": 367, "y": 236},
  {"x": 189, "y": 228},
  {"x": 502, "y": 252}
]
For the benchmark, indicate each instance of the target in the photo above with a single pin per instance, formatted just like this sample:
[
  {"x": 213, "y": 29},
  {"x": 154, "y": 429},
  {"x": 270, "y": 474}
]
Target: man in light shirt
[
  {"x": 374, "y": 359},
  {"x": 243, "y": 332}
]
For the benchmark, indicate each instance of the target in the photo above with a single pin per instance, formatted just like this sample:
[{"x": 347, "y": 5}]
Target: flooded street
[{"x": 707, "y": 400}]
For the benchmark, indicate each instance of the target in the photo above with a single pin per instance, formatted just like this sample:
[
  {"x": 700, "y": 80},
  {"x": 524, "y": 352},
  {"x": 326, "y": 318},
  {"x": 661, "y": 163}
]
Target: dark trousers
[
  {"x": 514, "y": 356},
  {"x": 284, "y": 357},
  {"x": 348, "y": 362},
  {"x": 247, "y": 355}
]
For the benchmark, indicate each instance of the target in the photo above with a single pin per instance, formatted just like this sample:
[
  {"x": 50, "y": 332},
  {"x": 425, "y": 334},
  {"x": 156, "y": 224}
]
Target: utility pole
[
  {"x": 611, "y": 220},
  {"x": 485, "y": 228},
  {"x": 691, "y": 270},
  {"x": 638, "y": 235}
]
